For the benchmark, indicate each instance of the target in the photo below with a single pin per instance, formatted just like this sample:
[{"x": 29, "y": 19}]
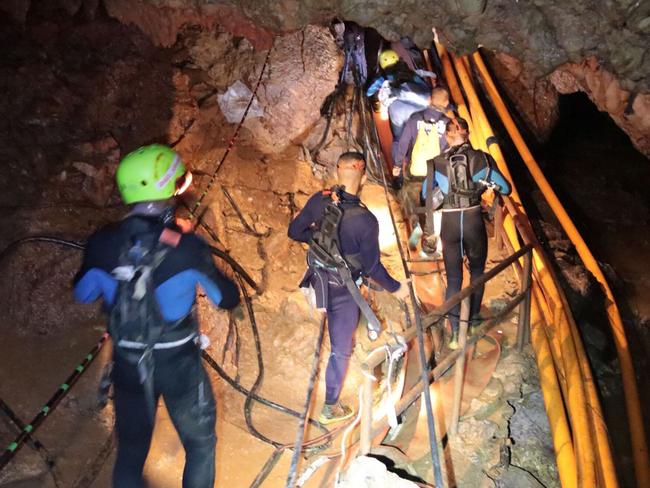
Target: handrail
[
  {"x": 370, "y": 429},
  {"x": 636, "y": 426},
  {"x": 592, "y": 461}
]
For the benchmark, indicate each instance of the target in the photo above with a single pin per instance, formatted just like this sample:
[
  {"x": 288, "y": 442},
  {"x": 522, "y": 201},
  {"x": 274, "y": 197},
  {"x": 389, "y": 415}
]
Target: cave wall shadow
[{"x": 77, "y": 93}]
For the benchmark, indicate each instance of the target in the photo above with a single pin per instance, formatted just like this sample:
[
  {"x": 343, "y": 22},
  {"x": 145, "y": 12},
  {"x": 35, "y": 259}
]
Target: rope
[
  {"x": 233, "y": 139},
  {"x": 433, "y": 442}
]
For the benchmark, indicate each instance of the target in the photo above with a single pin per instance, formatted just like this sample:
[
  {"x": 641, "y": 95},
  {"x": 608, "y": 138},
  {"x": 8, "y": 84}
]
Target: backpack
[
  {"x": 463, "y": 190},
  {"x": 324, "y": 247},
  {"x": 325, "y": 252}
]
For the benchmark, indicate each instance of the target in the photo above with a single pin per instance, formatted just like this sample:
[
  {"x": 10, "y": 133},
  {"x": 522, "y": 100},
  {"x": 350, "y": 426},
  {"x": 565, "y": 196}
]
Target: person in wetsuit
[
  {"x": 463, "y": 230},
  {"x": 148, "y": 179},
  {"x": 359, "y": 243}
]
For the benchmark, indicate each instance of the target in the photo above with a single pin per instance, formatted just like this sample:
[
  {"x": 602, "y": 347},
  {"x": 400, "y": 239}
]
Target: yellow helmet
[{"x": 388, "y": 58}]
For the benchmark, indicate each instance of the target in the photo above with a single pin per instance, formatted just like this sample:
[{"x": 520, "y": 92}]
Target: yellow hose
[
  {"x": 635, "y": 419},
  {"x": 567, "y": 354}
]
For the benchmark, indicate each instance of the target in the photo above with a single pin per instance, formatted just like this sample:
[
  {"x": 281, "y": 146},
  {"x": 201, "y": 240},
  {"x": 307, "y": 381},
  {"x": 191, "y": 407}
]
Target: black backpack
[
  {"x": 463, "y": 190},
  {"x": 324, "y": 247},
  {"x": 325, "y": 252},
  {"x": 135, "y": 322}
]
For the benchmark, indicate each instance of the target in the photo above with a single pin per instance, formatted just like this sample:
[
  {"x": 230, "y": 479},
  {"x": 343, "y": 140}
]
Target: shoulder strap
[{"x": 431, "y": 168}]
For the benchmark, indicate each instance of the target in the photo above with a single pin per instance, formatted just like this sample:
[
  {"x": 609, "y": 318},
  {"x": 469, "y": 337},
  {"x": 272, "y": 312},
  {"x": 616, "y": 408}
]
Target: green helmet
[{"x": 150, "y": 173}]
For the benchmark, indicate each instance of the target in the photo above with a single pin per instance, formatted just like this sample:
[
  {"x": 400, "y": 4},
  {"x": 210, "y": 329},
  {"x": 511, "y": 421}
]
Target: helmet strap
[{"x": 164, "y": 209}]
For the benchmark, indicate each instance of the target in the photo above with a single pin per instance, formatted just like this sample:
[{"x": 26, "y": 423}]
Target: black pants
[
  {"x": 463, "y": 233},
  {"x": 181, "y": 380}
]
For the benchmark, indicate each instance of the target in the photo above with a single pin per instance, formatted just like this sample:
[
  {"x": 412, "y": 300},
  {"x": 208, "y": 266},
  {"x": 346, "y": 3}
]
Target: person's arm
[
  {"x": 219, "y": 289},
  {"x": 375, "y": 86},
  {"x": 300, "y": 229},
  {"x": 405, "y": 144},
  {"x": 494, "y": 174},
  {"x": 92, "y": 281},
  {"x": 370, "y": 258}
]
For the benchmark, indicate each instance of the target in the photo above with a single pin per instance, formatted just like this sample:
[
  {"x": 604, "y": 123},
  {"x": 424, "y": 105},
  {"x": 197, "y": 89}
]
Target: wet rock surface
[{"x": 589, "y": 45}]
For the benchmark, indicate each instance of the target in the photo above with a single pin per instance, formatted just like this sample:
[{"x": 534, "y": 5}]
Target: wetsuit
[
  {"x": 463, "y": 230},
  {"x": 178, "y": 374},
  {"x": 359, "y": 236}
]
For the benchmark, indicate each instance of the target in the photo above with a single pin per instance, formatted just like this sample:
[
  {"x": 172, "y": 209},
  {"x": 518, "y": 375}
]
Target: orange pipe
[
  {"x": 635, "y": 418},
  {"x": 563, "y": 445},
  {"x": 580, "y": 420}
]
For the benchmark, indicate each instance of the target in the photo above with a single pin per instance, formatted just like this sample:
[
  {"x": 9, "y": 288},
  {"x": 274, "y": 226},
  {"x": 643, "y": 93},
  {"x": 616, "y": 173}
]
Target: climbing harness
[{"x": 325, "y": 255}]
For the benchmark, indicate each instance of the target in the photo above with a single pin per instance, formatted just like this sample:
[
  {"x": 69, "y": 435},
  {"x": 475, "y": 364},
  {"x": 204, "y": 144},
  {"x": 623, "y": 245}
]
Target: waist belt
[
  {"x": 460, "y": 209},
  {"x": 159, "y": 345},
  {"x": 316, "y": 276}
]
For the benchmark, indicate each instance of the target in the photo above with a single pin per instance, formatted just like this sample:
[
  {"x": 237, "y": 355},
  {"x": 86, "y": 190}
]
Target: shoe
[
  {"x": 453, "y": 343},
  {"x": 430, "y": 247},
  {"x": 335, "y": 413}
]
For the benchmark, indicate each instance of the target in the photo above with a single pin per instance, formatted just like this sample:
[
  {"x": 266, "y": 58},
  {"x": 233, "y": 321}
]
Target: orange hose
[
  {"x": 576, "y": 399},
  {"x": 635, "y": 418}
]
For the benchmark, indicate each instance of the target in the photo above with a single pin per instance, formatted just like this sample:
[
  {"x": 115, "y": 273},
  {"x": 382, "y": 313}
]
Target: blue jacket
[
  {"x": 481, "y": 163},
  {"x": 358, "y": 234},
  {"x": 185, "y": 266}
]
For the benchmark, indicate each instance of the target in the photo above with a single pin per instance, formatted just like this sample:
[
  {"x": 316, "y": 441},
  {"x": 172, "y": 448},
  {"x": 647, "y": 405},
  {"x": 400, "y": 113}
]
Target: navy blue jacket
[
  {"x": 185, "y": 266},
  {"x": 481, "y": 163},
  {"x": 358, "y": 234}
]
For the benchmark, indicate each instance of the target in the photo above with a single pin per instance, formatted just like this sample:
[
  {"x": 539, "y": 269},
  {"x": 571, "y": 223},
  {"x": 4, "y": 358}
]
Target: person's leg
[
  {"x": 189, "y": 399},
  {"x": 133, "y": 427},
  {"x": 342, "y": 321},
  {"x": 453, "y": 259},
  {"x": 475, "y": 244}
]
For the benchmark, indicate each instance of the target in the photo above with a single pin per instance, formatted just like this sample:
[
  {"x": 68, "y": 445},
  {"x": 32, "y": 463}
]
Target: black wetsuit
[
  {"x": 178, "y": 375},
  {"x": 463, "y": 230}
]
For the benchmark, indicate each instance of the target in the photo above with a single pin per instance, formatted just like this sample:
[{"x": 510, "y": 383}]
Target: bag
[
  {"x": 135, "y": 317},
  {"x": 135, "y": 323},
  {"x": 463, "y": 191},
  {"x": 324, "y": 247}
]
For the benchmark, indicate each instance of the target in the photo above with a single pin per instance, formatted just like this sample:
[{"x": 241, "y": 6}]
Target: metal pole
[
  {"x": 459, "y": 373},
  {"x": 366, "y": 412},
  {"x": 523, "y": 329},
  {"x": 498, "y": 225}
]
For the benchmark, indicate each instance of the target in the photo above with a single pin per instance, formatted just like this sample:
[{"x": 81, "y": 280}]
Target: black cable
[
  {"x": 433, "y": 439},
  {"x": 310, "y": 389}
]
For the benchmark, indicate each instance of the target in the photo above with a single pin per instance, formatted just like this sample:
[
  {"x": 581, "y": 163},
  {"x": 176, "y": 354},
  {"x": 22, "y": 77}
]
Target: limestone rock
[{"x": 303, "y": 69}]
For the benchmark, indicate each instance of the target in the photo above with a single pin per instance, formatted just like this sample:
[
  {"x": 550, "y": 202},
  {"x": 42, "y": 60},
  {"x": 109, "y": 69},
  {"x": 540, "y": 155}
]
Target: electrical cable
[
  {"x": 310, "y": 388},
  {"x": 433, "y": 439}
]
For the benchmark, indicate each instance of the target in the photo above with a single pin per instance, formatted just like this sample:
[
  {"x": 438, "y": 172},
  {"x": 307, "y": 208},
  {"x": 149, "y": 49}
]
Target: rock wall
[{"x": 599, "y": 46}]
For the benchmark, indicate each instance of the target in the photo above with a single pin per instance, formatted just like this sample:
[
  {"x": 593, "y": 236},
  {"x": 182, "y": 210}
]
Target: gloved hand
[{"x": 397, "y": 171}]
